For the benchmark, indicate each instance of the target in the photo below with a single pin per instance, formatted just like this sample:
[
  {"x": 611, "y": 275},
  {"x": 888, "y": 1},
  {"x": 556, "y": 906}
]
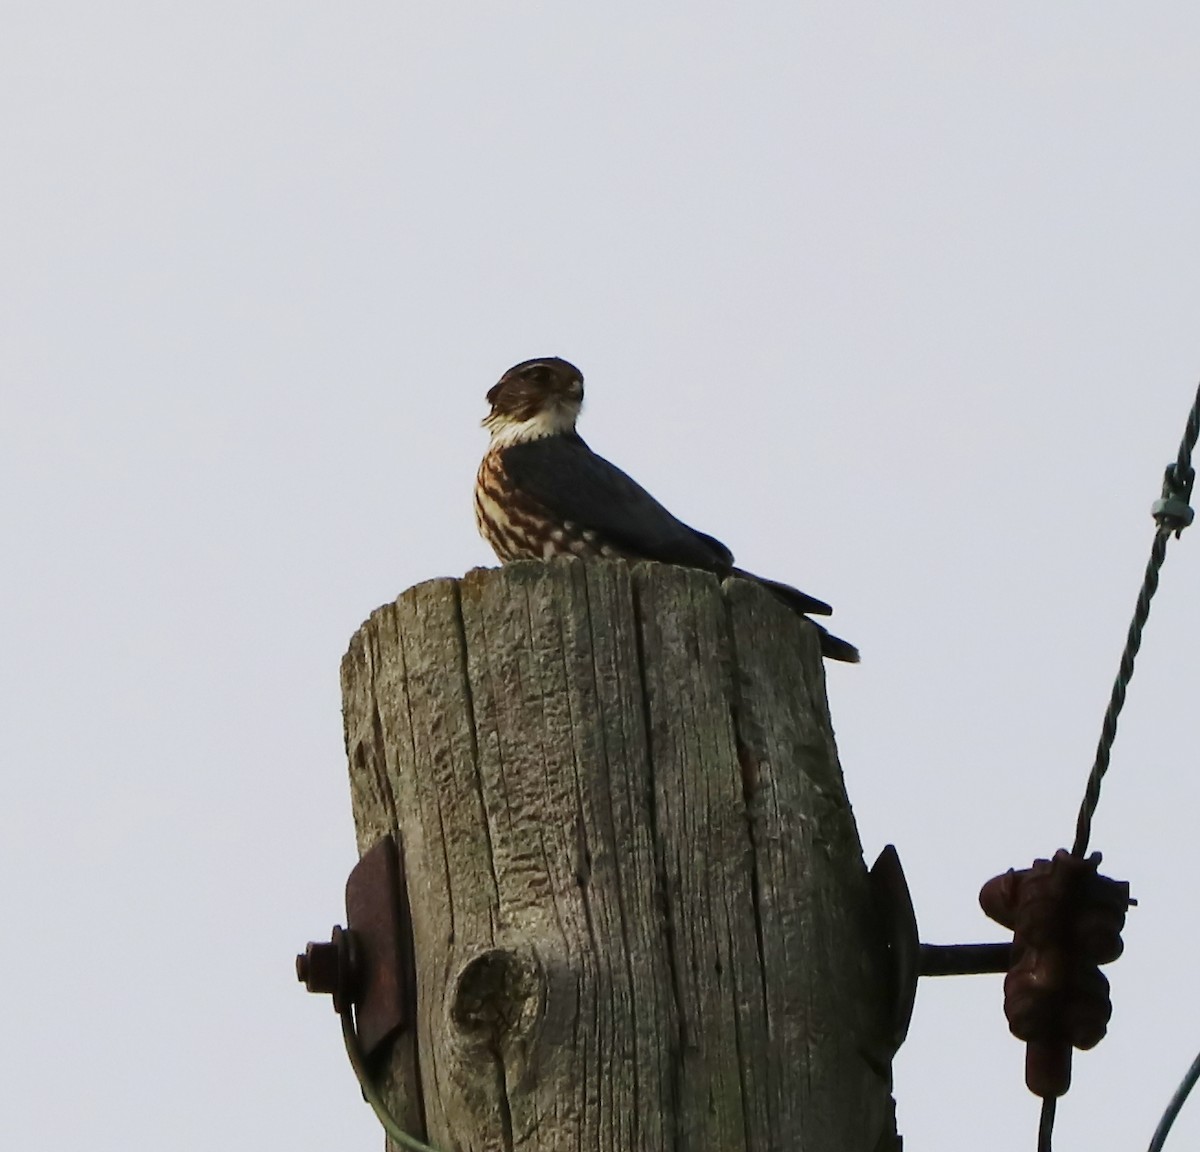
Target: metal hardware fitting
[
  {"x": 1067, "y": 920},
  {"x": 369, "y": 963}
]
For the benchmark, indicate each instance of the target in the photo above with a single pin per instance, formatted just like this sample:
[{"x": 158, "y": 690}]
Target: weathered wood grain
[{"x": 639, "y": 908}]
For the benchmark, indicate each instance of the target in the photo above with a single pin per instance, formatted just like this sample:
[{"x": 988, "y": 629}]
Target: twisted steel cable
[{"x": 1172, "y": 514}]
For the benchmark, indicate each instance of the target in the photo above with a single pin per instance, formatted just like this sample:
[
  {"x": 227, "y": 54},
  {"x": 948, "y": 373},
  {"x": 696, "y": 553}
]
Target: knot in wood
[{"x": 498, "y": 994}]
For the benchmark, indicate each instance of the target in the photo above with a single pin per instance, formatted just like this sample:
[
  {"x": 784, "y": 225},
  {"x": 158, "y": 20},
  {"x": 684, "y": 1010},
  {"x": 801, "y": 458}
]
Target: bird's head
[{"x": 537, "y": 398}]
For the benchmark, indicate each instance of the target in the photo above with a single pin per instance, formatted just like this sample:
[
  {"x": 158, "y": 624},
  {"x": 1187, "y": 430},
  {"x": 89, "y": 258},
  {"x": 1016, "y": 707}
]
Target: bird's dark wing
[{"x": 565, "y": 475}]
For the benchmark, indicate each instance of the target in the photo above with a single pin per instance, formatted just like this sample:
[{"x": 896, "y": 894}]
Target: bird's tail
[
  {"x": 833, "y": 647},
  {"x": 795, "y": 599}
]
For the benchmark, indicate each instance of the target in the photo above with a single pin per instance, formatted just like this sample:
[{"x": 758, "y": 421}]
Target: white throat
[{"x": 554, "y": 420}]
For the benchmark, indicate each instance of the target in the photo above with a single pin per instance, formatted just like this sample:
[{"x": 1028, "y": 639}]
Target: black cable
[{"x": 1046, "y": 1123}]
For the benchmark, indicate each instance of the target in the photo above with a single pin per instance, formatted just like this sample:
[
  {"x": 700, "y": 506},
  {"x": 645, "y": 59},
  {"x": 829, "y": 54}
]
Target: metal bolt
[{"x": 330, "y": 968}]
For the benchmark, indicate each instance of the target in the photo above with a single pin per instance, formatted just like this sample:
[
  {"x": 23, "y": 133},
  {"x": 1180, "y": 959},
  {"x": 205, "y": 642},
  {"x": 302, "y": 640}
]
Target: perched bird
[{"x": 542, "y": 492}]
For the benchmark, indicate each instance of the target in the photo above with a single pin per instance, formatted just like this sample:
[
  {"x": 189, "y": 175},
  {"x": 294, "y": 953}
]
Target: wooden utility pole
[{"x": 640, "y": 915}]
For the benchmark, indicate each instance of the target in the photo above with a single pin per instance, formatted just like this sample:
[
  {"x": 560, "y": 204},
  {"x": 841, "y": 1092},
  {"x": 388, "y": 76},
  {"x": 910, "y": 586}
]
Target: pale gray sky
[{"x": 899, "y": 300}]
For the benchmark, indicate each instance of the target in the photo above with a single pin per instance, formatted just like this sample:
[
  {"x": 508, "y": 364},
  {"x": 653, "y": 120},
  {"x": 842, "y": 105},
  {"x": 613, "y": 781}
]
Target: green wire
[
  {"x": 371, "y": 1093},
  {"x": 1177, "y": 1101}
]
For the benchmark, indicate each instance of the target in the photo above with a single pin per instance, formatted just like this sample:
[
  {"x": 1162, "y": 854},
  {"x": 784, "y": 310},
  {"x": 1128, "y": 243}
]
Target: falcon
[{"x": 542, "y": 492}]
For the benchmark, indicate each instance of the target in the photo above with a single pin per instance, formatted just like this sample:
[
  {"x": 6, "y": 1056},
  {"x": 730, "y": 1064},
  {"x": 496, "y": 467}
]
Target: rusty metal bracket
[
  {"x": 908, "y": 959},
  {"x": 898, "y": 924},
  {"x": 368, "y": 968},
  {"x": 369, "y": 963}
]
